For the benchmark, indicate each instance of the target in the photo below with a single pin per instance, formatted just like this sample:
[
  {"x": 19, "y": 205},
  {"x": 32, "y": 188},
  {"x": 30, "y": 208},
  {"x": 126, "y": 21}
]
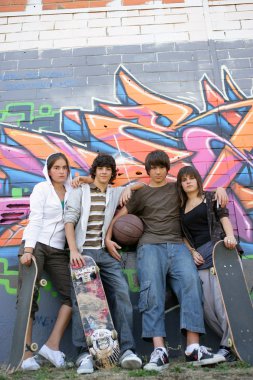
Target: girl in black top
[{"x": 203, "y": 223}]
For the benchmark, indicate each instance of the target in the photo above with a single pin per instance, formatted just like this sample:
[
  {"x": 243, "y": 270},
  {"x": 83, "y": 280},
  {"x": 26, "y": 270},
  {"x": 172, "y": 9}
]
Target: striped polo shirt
[{"x": 93, "y": 238}]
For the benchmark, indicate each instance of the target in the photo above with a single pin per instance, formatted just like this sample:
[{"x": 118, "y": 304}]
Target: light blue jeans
[
  {"x": 117, "y": 293},
  {"x": 154, "y": 263}
]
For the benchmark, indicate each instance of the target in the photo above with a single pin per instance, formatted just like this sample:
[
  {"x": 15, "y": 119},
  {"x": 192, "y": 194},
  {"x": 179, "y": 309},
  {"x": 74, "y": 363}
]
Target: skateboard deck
[
  {"x": 236, "y": 299},
  {"x": 24, "y": 305},
  {"x": 100, "y": 335}
]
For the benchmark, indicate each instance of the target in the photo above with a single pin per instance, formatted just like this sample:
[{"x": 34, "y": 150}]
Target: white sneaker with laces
[
  {"x": 57, "y": 358},
  {"x": 30, "y": 364},
  {"x": 86, "y": 365},
  {"x": 129, "y": 360},
  {"x": 159, "y": 361},
  {"x": 202, "y": 356}
]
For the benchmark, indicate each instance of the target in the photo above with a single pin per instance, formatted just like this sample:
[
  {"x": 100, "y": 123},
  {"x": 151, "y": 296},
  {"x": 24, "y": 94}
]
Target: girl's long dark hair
[
  {"x": 188, "y": 171},
  {"x": 54, "y": 157}
]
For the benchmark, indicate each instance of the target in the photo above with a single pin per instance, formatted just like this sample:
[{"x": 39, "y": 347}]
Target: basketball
[{"x": 127, "y": 229}]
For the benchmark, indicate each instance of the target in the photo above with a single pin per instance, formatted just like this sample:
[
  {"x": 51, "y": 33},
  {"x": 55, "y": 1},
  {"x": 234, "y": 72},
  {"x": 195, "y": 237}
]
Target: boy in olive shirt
[{"x": 161, "y": 252}]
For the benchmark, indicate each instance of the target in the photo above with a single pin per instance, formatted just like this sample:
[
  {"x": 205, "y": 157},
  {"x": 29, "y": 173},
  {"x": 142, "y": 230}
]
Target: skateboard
[
  {"x": 100, "y": 335},
  {"x": 236, "y": 300},
  {"x": 24, "y": 306}
]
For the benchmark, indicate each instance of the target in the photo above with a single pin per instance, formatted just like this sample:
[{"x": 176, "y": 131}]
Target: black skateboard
[
  {"x": 18, "y": 346},
  {"x": 236, "y": 299}
]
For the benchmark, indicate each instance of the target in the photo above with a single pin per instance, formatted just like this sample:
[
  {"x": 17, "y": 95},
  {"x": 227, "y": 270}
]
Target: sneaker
[
  {"x": 201, "y": 356},
  {"x": 129, "y": 360},
  {"x": 227, "y": 353},
  {"x": 57, "y": 358},
  {"x": 30, "y": 364},
  {"x": 85, "y": 365},
  {"x": 159, "y": 361}
]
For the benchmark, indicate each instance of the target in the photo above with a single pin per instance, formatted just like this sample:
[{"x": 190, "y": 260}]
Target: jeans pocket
[{"x": 144, "y": 295}]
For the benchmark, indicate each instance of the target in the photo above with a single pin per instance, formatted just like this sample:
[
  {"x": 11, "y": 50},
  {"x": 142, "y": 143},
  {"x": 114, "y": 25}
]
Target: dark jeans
[
  {"x": 117, "y": 293},
  {"x": 56, "y": 263}
]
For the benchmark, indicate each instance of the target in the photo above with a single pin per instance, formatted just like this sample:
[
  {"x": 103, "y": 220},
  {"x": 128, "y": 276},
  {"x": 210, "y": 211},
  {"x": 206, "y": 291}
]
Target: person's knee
[
  {"x": 146, "y": 300},
  {"x": 192, "y": 280},
  {"x": 122, "y": 295}
]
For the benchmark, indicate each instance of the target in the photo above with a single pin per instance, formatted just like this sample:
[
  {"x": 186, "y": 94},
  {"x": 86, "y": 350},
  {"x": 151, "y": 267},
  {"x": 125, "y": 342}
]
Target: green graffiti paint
[
  {"x": 24, "y": 114},
  {"x": 10, "y": 274},
  {"x": 49, "y": 288},
  {"x": 131, "y": 275},
  {"x": 13, "y": 111},
  {"x": 16, "y": 192}
]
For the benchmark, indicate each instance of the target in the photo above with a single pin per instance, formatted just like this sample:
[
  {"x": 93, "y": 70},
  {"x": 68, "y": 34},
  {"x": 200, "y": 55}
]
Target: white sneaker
[
  {"x": 202, "y": 356},
  {"x": 159, "y": 360},
  {"x": 30, "y": 364},
  {"x": 57, "y": 358},
  {"x": 86, "y": 365},
  {"x": 129, "y": 360}
]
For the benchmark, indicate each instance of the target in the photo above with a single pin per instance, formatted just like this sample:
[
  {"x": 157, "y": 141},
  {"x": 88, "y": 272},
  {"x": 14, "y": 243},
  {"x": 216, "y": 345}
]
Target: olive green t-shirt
[{"x": 158, "y": 208}]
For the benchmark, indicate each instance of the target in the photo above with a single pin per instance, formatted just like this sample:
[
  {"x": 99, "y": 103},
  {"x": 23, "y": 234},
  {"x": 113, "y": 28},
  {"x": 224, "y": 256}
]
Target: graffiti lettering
[{"x": 217, "y": 141}]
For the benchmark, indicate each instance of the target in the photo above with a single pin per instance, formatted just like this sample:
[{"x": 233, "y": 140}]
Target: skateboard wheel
[
  {"x": 34, "y": 347},
  {"x": 213, "y": 272},
  {"x": 97, "y": 269},
  {"x": 89, "y": 341},
  {"x": 114, "y": 334},
  {"x": 230, "y": 343},
  {"x": 43, "y": 282}
]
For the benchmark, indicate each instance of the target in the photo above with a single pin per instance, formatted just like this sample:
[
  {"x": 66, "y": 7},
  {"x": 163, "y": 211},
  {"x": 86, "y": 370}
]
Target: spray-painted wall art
[{"x": 217, "y": 140}]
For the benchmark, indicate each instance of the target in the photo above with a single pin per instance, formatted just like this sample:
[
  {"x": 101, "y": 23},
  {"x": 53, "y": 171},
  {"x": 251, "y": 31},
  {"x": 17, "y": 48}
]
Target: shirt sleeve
[
  {"x": 133, "y": 205},
  {"x": 73, "y": 206},
  {"x": 37, "y": 202},
  {"x": 220, "y": 212}
]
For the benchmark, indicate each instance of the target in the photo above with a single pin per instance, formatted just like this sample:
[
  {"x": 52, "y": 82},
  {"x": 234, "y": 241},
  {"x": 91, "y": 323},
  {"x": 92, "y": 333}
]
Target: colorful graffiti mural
[{"x": 217, "y": 140}]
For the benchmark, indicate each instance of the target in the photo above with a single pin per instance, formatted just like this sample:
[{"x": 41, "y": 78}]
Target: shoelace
[
  {"x": 223, "y": 352},
  {"x": 203, "y": 350},
  {"x": 85, "y": 359},
  {"x": 156, "y": 354}
]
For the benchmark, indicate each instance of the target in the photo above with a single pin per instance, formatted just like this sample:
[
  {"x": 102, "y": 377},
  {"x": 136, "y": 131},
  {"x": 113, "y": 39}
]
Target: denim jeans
[
  {"x": 117, "y": 293},
  {"x": 154, "y": 263}
]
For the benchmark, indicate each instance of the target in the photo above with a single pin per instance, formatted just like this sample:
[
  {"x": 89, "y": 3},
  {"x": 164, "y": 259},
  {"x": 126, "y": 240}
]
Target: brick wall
[
  {"x": 148, "y": 24},
  {"x": 28, "y": 5}
]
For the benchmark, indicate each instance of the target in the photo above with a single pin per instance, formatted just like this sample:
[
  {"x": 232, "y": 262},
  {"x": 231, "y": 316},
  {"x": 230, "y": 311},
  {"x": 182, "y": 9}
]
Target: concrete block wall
[
  {"x": 195, "y": 21},
  {"x": 125, "y": 80},
  {"x": 38, "y": 5}
]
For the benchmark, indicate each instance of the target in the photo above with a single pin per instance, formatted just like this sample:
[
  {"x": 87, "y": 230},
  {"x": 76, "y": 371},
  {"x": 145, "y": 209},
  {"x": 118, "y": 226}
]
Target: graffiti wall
[{"x": 211, "y": 130}]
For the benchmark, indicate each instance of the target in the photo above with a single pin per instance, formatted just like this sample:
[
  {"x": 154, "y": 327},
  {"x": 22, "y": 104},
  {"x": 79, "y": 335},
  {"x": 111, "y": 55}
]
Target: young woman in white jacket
[{"x": 44, "y": 238}]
